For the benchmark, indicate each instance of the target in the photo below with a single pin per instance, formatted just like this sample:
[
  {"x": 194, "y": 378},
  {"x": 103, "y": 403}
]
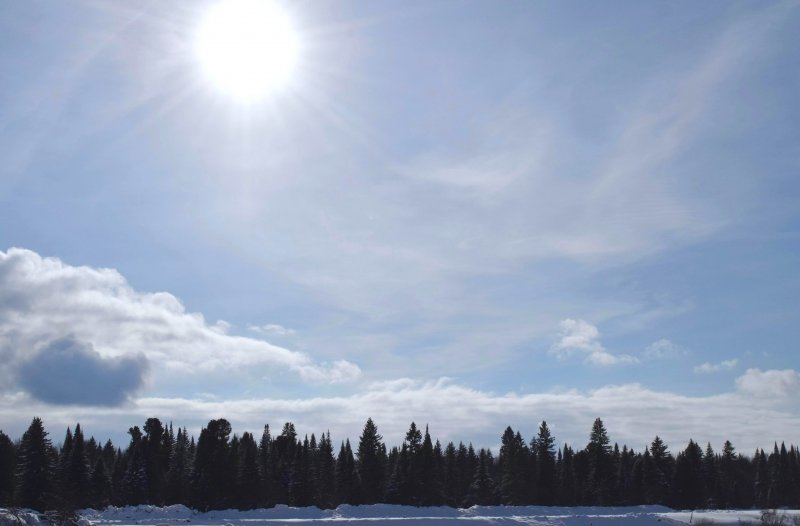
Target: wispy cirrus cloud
[
  {"x": 724, "y": 365},
  {"x": 272, "y": 329},
  {"x": 664, "y": 349}
]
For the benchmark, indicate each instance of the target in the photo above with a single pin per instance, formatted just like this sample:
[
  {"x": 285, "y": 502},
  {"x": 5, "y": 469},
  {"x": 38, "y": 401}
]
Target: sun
[{"x": 247, "y": 48}]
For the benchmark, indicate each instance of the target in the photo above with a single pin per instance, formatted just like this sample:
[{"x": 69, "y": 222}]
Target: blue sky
[{"x": 471, "y": 214}]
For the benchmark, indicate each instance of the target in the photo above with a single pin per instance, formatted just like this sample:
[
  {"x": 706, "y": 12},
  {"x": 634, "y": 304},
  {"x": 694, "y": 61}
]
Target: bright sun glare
[{"x": 247, "y": 48}]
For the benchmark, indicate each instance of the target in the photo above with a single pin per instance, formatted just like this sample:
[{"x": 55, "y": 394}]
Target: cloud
[
  {"x": 341, "y": 371},
  {"x": 44, "y": 299},
  {"x": 579, "y": 336},
  {"x": 66, "y": 371},
  {"x": 770, "y": 384},
  {"x": 724, "y": 365},
  {"x": 664, "y": 349},
  {"x": 272, "y": 329},
  {"x": 632, "y": 413}
]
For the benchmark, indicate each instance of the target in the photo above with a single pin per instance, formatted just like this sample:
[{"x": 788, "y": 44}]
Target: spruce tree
[
  {"x": 371, "y": 464},
  {"x": 180, "y": 469},
  {"x": 346, "y": 476},
  {"x": 513, "y": 458},
  {"x": 689, "y": 484},
  {"x": 248, "y": 479},
  {"x": 7, "y": 462},
  {"x": 598, "y": 453},
  {"x": 482, "y": 491},
  {"x": 34, "y": 470},
  {"x": 545, "y": 466},
  {"x": 212, "y": 475},
  {"x": 99, "y": 485},
  {"x": 711, "y": 476},
  {"x": 326, "y": 474}
]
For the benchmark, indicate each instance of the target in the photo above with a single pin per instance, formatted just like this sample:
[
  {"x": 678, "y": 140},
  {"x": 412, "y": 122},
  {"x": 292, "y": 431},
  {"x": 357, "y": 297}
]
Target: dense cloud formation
[
  {"x": 44, "y": 299},
  {"x": 70, "y": 372}
]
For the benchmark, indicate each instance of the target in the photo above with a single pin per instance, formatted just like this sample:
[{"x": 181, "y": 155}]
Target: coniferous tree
[
  {"x": 212, "y": 474},
  {"x": 34, "y": 470},
  {"x": 155, "y": 439},
  {"x": 429, "y": 491},
  {"x": 482, "y": 491},
  {"x": 326, "y": 474},
  {"x": 761, "y": 484},
  {"x": 658, "y": 473},
  {"x": 728, "y": 482},
  {"x": 301, "y": 490},
  {"x": 598, "y": 453},
  {"x": 397, "y": 491},
  {"x": 283, "y": 455},
  {"x": 7, "y": 464},
  {"x": 623, "y": 477},
  {"x": 371, "y": 464},
  {"x": 711, "y": 476},
  {"x": 265, "y": 468},
  {"x": 689, "y": 483},
  {"x": 99, "y": 485},
  {"x": 77, "y": 473},
  {"x": 511, "y": 462},
  {"x": 180, "y": 469},
  {"x": 135, "y": 484},
  {"x": 248, "y": 479},
  {"x": 566, "y": 478},
  {"x": 545, "y": 466},
  {"x": 346, "y": 475}
]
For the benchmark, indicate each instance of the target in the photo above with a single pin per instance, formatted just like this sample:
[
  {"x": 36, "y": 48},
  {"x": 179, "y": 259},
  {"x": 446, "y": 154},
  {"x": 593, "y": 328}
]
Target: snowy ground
[{"x": 388, "y": 515}]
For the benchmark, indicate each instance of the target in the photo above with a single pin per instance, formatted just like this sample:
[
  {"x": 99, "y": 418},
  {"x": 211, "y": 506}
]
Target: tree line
[{"x": 163, "y": 466}]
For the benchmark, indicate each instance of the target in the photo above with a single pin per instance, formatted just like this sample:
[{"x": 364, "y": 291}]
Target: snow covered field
[{"x": 389, "y": 515}]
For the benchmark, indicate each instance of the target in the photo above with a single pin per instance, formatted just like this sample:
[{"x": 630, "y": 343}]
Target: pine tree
[{"x": 35, "y": 467}]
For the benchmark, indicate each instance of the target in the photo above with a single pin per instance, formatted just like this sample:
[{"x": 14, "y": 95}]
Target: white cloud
[
  {"x": 664, "y": 349},
  {"x": 579, "y": 336},
  {"x": 272, "y": 329},
  {"x": 770, "y": 384},
  {"x": 341, "y": 371},
  {"x": 632, "y": 413},
  {"x": 44, "y": 299},
  {"x": 724, "y": 365}
]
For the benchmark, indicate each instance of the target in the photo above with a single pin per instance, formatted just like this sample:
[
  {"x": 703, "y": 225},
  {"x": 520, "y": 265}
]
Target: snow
[{"x": 392, "y": 515}]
